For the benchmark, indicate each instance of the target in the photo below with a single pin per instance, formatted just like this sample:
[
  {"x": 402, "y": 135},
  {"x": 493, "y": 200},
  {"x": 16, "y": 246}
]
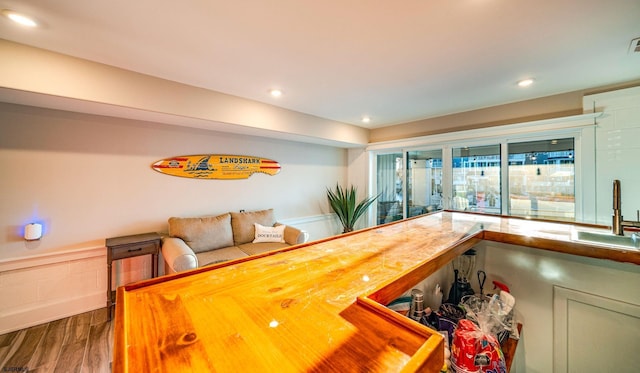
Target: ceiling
[{"x": 395, "y": 61}]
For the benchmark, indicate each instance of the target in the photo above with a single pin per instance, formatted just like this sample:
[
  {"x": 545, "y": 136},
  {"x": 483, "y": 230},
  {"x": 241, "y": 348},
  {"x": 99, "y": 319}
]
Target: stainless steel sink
[{"x": 630, "y": 242}]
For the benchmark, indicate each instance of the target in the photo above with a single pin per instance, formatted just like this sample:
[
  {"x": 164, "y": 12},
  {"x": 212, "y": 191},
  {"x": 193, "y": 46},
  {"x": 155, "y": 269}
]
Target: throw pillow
[
  {"x": 203, "y": 234},
  {"x": 269, "y": 234},
  {"x": 242, "y": 224}
]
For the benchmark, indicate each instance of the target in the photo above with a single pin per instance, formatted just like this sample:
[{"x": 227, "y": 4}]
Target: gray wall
[{"x": 88, "y": 177}]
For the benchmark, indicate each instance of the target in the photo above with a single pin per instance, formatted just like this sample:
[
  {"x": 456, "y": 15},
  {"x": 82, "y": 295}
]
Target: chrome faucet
[{"x": 618, "y": 223}]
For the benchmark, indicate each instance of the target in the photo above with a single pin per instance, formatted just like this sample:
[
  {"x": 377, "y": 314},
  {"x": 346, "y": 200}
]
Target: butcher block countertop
[{"x": 319, "y": 306}]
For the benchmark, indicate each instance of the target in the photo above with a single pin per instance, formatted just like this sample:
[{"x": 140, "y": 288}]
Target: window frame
[{"x": 581, "y": 128}]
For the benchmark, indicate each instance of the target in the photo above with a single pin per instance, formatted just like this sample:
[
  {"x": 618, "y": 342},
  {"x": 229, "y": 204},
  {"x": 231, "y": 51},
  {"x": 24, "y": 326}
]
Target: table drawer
[{"x": 140, "y": 248}]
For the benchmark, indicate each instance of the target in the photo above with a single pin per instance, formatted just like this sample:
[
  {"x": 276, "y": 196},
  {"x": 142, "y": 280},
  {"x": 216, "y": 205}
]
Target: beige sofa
[{"x": 200, "y": 241}]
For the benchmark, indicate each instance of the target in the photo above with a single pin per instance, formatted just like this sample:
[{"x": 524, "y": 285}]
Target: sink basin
[{"x": 630, "y": 242}]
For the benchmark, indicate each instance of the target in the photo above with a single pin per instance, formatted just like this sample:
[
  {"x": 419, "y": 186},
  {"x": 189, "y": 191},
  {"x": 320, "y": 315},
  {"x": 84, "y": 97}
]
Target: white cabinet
[
  {"x": 579, "y": 314},
  {"x": 592, "y": 333}
]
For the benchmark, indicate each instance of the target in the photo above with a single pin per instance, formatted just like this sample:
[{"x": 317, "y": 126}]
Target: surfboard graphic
[{"x": 216, "y": 166}]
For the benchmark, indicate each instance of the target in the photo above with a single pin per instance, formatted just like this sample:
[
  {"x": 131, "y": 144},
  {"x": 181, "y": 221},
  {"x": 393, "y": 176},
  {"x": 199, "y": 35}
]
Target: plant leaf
[{"x": 343, "y": 202}]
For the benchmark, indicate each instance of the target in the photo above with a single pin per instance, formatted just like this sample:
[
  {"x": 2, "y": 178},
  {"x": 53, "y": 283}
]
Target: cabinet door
[{"x": 594, "y": 334}]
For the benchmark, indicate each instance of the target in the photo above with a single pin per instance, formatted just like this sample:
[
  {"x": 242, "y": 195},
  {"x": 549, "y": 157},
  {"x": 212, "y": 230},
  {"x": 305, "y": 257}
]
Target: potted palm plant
[{"x": 343, "y": 202}]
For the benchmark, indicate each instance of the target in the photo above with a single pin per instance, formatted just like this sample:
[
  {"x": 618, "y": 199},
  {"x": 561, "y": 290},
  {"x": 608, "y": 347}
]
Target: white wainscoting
[
  {"x": 38, "y": 289},
  {"x": 317, "y": 226},
  {"x": 43, "y": 288}
]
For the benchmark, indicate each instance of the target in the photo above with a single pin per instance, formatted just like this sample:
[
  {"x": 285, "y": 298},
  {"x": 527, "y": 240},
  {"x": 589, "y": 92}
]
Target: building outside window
[
  {"x": 476, "y": 179},
  {"x": 542, "y": 179}
]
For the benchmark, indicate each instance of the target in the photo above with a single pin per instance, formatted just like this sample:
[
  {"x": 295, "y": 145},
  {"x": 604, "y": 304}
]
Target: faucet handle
[{"x": 616, "y": 195}]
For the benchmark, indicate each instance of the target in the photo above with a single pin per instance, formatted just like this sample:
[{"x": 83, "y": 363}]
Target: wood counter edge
[
  {"x": 119, "y": 358},
  {"x": 580, "y": 248},
  {"x": 396, "y": 286},
  {"x": 566, "y": 247},
  {"x": 430, "y": 355},
  {"x": 509, "y": 349}
]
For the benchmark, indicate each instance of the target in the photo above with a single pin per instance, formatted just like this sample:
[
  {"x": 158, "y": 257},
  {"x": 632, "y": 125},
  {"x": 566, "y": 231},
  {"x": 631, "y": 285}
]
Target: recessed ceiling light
[
  {"x": 19, "y": 18},
  {"x": 525, "y": 82},
  {"x": 275, "y": 92},
  {"x": 366, "y": 119}
]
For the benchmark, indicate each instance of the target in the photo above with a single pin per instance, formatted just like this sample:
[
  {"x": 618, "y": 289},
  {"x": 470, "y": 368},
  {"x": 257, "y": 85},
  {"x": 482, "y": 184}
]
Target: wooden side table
[{"x": 129, "y": 247}]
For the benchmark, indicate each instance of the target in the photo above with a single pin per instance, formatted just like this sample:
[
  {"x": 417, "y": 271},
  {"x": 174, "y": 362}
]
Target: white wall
[
  {"x": 87, "y": 178},
  {"x": 617, "y": 150},
  {"x": 358, "y": 176}
]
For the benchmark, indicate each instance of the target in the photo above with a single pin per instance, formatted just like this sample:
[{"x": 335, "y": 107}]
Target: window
[
  {"x": 534, "y": 169},
  {"x": 424, "y": 182},
  {"x": 542, "y": 179},
  {"x": 389, "y": 186},
  {"x": 476, "y": 179}
]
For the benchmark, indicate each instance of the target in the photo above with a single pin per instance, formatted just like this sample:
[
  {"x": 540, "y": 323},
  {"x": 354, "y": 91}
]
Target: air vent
[{"x": 635, "y": 46}]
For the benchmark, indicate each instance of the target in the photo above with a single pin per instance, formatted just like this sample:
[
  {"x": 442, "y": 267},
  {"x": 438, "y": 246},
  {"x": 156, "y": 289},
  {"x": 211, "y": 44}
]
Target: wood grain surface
[
  {"x": 80, "y": 343},
  {"x": 315, "y": 307}
]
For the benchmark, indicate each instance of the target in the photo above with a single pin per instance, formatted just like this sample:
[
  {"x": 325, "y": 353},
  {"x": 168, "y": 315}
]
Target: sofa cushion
[
  {"x": 268, "y": 234},
  {"x": 204, "y": 233},
  {"x": 242, "y": 224},
  {"x": 259, "y": 248},
  {"x": 221, "y": 255}
]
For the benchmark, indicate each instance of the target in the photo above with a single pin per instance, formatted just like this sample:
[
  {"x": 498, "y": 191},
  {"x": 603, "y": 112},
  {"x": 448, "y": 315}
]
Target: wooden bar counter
[{"x": 316, "y": 307}]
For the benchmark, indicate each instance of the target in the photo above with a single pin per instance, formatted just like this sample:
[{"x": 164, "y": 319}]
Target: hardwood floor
[{"x": 81, "y": 343}]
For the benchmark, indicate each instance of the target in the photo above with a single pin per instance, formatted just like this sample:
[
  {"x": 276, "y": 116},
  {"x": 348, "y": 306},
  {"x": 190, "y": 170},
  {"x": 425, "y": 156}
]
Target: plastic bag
[
  {"x": 476, "y": 347},
  {"x": 473, "y": 351},
  {"x": 493, "y": 314}
]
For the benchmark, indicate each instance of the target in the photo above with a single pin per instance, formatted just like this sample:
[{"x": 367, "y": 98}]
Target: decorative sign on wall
[{"x": 216, "y": 166}]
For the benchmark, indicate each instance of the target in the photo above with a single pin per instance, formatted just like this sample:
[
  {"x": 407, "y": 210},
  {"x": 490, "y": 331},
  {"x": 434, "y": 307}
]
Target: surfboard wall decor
[{"x": 216, "y": 166}]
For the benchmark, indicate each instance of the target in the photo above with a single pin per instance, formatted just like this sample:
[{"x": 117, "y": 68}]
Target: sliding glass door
[
  {"x": 390, "y": 169},
  {"x": 409, "y": 184},
  {"x": 424, "y": 182}
]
